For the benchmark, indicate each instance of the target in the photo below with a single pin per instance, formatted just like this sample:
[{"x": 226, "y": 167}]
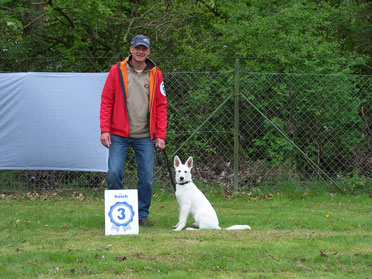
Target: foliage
[
  {"x": 277, "y": 36},
  {"x": 355, "y": 183},
  {"x": 285, "y": 32}
]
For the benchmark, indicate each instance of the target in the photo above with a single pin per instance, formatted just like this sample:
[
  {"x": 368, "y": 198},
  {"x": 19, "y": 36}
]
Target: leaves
[{"x": 283, "y": 31}]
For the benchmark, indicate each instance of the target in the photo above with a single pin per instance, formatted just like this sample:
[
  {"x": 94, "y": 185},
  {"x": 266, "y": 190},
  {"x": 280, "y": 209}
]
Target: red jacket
[{"x": 113, "y": 113}]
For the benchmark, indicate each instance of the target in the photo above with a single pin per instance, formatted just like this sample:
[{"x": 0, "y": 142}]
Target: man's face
[{"x": 139, "y": 53}]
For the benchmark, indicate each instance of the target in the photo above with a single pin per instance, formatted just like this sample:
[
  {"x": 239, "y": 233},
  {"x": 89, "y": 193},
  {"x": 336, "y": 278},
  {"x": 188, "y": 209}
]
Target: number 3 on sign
[{"x": 122, "y": 211}]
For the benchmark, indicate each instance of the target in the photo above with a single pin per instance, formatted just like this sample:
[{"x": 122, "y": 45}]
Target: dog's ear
[
  {"x": 176, "y": 161},
  {"x": 189, "y": 162}
]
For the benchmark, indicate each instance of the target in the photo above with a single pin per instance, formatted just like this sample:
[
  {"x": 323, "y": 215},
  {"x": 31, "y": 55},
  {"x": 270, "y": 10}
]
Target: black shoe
[{"x": 145, "y": 222}]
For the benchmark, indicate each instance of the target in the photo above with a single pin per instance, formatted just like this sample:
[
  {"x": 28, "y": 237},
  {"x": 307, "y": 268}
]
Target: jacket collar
[{"x": 149, "y": 63}]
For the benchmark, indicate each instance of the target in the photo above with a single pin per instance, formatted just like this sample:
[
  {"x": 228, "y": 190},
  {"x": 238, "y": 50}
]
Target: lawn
[{"x": 310, "y": 235}]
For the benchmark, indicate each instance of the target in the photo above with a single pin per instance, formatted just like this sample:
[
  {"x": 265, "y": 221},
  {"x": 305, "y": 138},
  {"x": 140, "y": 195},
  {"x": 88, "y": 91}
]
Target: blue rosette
[{"x": 121, "y": 215}]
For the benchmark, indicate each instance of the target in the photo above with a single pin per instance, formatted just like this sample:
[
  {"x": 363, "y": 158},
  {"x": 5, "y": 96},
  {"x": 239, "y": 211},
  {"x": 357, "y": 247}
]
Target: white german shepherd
[{"x": 192, "y": 201}]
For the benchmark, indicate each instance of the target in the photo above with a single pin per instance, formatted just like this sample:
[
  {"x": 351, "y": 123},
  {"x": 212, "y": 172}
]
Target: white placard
[{"x": 121, "y": 212}]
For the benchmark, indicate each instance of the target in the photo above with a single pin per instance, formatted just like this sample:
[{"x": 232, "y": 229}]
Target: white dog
[{"x": 192, "y": 201}]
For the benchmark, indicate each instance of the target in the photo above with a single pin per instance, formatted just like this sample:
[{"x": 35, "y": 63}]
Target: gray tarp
[{"x": 50, "y": 121}]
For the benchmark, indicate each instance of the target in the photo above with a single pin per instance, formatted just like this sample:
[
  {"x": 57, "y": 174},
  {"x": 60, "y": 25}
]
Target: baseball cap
[{"x": 140, "y": 40}]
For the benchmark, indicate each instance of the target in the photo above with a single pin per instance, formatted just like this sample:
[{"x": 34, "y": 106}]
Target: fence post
[{"x": 236, "y": 126}]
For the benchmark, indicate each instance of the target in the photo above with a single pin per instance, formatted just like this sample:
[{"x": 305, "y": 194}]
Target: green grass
[{"x": 294, "y": 235}]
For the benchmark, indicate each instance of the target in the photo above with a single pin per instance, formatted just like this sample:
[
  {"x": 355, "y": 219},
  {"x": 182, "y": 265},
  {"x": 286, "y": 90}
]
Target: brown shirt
[{"x": 138, "y": 102}]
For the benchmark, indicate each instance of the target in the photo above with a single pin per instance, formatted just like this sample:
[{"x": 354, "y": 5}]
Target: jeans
[{"x": 144, "y": 151}]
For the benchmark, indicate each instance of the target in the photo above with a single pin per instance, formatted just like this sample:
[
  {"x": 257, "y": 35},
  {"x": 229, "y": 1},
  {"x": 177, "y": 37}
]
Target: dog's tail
[{"x": 238, "y": 227}]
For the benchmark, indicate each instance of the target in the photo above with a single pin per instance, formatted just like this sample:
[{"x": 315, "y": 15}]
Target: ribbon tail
[{"x": 115, "y": 227}]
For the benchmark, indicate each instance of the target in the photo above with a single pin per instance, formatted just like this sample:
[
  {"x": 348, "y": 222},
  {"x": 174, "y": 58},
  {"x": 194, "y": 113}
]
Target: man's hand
[
  {"x": 160, "y": 143},
  {"x": 106, "y": 139}
]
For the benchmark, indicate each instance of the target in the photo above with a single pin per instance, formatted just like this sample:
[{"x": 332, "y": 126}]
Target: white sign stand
[{"x": 121, "y": 212}]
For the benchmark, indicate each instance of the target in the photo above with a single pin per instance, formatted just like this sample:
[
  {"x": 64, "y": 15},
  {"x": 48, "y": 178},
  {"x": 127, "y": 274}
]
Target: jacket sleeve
[
  {"x": 161, "y": 108},
  {"x": 107, "y": 102}
]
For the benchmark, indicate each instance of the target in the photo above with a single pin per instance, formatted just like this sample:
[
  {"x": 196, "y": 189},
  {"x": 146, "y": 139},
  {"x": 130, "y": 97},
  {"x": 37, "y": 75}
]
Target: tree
[{"x": 280, "y": 36}]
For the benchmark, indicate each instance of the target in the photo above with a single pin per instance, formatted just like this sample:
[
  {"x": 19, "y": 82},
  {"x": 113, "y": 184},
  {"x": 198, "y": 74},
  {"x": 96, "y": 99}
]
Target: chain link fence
[
  {"x": 271, "y": 126},
  {"x": 245, "y": 129}
]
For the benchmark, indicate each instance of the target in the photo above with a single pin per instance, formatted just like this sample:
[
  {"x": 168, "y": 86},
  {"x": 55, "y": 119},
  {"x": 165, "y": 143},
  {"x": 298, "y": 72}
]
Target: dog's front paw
[{"x": 179, "y": 228}]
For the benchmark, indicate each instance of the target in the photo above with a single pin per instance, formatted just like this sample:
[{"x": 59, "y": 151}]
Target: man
[{"x": 134, "y": 113}]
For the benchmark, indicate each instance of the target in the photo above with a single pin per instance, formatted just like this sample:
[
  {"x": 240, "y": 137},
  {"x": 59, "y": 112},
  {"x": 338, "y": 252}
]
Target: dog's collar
[{"x": 184, "y": 183}]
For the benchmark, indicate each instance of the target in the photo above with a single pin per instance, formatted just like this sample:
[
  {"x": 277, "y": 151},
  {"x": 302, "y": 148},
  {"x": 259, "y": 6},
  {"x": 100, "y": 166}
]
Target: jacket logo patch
[{"x": 162, "y": 89}]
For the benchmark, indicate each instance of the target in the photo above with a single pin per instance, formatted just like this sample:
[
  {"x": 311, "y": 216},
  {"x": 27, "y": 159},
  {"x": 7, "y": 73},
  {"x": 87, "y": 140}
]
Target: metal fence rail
[{"x": 245, "y": 129}]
